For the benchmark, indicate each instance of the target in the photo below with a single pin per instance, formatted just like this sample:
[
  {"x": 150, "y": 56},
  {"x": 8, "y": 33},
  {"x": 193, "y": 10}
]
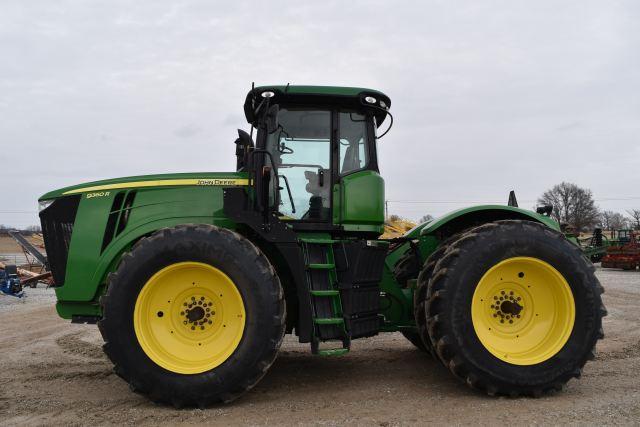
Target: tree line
[{"x": 575, "y": 207}]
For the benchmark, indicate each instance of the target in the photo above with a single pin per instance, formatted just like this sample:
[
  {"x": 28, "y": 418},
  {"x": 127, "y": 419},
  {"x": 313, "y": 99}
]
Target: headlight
[{"x": 44, "y": 204}]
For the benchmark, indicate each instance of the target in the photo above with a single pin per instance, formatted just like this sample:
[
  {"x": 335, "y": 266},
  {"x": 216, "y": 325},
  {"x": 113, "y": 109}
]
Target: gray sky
[{"x": 487, "y": 96}]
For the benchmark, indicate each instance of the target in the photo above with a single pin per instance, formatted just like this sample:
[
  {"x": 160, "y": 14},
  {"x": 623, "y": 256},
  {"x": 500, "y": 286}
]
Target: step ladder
[{"x": 329, "y": 322}]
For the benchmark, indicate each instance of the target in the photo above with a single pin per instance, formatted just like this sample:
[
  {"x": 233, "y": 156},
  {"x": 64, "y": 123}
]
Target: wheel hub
[
  {"x": 197, "y": 312},
  {"x": 507, "y": 306}
]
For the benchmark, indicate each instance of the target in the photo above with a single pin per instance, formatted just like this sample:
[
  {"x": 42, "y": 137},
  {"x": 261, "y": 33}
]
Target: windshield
[{"x": 301, "y": 150}]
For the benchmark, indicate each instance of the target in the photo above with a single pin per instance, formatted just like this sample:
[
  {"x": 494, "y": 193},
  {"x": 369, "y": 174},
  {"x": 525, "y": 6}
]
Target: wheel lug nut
[
  {"x": 182, "y": 313},
  {"x": 210, "y": 322},
  {"x": 201, "y": 298},
  {"x": 193, "y": 328},
  {"x": 185, "y": 322},
  {"x": 510, "y": 321},
  {"x": 202, "y": 327}
]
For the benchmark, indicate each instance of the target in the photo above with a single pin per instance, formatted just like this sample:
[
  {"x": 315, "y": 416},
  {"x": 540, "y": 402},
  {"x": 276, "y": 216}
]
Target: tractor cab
[{"x": 314, "y": 161}]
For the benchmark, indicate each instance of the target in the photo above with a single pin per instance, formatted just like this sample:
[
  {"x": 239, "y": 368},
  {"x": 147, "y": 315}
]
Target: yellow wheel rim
[
  {"x": 523, "y": 311},
  {"x": 189, "y": 317}
]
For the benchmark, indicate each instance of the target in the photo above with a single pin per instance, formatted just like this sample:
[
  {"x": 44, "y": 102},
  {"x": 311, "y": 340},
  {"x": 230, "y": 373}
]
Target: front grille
[{"x": 57, "y": 226}]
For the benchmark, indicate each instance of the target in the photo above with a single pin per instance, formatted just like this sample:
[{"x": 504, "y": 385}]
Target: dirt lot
[
  {"x": 9, "y": 245},
  {"x": 54, "y": 372}
]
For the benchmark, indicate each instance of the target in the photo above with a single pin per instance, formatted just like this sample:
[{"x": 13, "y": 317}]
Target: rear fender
[{"x": 461, "y": 219}]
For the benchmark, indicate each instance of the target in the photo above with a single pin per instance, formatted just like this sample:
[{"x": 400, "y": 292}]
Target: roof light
[
  {"x": 370, "y": 99},
  {"x": 267, "y": 94}
]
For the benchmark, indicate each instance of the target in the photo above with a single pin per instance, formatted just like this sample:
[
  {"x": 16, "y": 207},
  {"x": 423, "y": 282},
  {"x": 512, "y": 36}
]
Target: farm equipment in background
[
  {"x": 36, "y": 260},
  {"x": 594, "y": 246},
  {"x": 34, "y": 257},
  {"x": 624, "y": 252},
  {"x": 10, "y": 281}
]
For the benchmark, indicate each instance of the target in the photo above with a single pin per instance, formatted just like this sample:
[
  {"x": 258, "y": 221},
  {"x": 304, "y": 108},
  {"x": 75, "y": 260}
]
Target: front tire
[
  {"x": 194, "y": 315},
  {"x": 514, "y": 309}
]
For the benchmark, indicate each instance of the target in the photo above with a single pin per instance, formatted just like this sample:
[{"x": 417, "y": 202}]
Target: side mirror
[{"x": 272, "y": 118}]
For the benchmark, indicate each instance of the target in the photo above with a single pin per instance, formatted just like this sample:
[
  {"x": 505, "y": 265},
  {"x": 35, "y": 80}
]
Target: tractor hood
[{"x": 223, "y": 179}]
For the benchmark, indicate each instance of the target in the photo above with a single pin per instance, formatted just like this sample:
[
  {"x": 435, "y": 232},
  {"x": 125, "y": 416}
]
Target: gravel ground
[{"x": 55, "y": 373}]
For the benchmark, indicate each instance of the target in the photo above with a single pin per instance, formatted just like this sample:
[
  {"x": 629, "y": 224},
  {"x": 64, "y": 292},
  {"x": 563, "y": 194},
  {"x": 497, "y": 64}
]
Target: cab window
[
  {"x": 353, "y": 149},
  {"x": 301, "y": 152}
]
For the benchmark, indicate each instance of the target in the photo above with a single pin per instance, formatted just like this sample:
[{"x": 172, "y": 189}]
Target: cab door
[
  {"x": 358, "y": 195},
  {"x": 301, "y": 152}
]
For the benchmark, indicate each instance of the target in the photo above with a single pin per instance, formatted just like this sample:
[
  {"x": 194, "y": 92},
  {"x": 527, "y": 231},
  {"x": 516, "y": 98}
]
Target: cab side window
[{"x": 353, "y": 135}]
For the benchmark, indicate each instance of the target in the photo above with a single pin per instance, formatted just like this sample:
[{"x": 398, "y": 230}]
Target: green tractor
[{"x": 194, "y": 278}]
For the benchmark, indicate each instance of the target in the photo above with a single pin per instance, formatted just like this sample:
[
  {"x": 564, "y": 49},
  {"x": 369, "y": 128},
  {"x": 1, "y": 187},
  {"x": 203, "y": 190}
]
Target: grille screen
[{"x": 57, "y": 226}]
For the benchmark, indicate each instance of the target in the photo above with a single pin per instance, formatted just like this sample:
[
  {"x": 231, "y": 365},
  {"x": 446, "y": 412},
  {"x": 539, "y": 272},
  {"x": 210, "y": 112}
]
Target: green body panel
[
  {"x": 360, "y": 202},
  {"x": 154, "y": 207},
  {"x": 507, "y": 211}
]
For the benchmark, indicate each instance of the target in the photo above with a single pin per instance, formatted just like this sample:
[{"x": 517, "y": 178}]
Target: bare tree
[
  {"x": 635, "y": 214},
  {"x": 425, "y": 218},
  {"x": 571, "y": 205},
  {"x": 605, "y": 219},
  {"x": 619, "y": 221},
  {"x": 610, "y": 220}
]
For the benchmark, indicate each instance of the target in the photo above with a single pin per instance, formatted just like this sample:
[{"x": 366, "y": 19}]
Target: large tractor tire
[
  {"x": 422, "y": 293},
  {"x": 194, "y": 315},
  {"x": 513, "y": 308}
]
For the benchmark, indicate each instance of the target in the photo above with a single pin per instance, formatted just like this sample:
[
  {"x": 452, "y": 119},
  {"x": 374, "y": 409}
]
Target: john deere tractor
[{"x": 194, "y": 278}]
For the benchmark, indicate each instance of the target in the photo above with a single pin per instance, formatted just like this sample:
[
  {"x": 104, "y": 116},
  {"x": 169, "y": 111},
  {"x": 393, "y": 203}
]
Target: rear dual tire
[
  {"x": 517, "y": 356},
  {"x": 186, "y": 322}
]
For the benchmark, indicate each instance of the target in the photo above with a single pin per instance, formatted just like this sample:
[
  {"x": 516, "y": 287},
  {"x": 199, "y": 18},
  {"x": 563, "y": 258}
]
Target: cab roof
[{"x": 353, "y": 97}]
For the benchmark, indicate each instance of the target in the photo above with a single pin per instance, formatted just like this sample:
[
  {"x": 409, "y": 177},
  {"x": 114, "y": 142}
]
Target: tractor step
[
  {"x": 333, "y": 352},
  {"x": 321, "y": 266},
  {"x": 328, "y": 319},
  {"x": 325, "y": 293}
]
